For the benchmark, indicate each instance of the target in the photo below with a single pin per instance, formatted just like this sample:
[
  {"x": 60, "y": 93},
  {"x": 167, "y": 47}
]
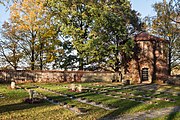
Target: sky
[
  {"x": 3, "y": 14},
  {"x": 142, "y": 6}
]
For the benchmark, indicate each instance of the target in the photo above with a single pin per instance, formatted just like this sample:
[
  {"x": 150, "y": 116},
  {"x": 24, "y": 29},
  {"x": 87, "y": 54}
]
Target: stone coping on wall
[{"x": 59, "y": 71}]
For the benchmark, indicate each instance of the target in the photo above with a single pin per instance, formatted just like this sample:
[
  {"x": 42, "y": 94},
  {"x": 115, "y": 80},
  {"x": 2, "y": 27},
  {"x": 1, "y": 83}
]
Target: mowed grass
[{"x": 12, "y": 106}]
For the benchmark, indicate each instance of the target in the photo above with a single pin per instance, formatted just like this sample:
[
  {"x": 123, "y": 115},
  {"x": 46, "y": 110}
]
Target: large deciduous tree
[
  {"x": 111, "y": 44},
  {"x": 74, "y": 19},
  {"x": 166, "y": 24},
  {"x": 35, "y": 30},
  {"x": 10, "y": 50},
  {"x": 100, "y": 30}
]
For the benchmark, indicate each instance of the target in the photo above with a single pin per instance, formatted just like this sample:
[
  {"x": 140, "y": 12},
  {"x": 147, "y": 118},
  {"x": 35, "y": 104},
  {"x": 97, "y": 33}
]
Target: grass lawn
[{"x": 124, "y": 100}]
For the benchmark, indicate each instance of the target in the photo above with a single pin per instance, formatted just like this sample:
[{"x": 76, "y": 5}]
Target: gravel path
[{"x": 146, "y": 114}]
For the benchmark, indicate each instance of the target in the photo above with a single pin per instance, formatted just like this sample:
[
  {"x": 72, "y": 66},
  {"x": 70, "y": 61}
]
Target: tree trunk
[
  {"x": 81, "y": 63},
  {"x": 32, "y": 59},
  {"x": 169, "y": 60},
  {"x": 33, "y": 53},
  {"x": 154, "y": 62},
  {"x": 41, "y": 55}
]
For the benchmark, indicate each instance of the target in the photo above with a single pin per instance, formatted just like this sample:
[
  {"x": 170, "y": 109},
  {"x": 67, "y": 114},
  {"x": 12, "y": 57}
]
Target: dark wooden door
[{"x": 145, "y": 74}]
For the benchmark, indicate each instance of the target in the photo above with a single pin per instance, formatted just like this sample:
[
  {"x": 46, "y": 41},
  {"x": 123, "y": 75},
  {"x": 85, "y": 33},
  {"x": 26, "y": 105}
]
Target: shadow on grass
[
  {"x": 124, "y": 105},
  {"x": 173, "y": 113},
  {"x": 20, "y": 106},
  {"x": 59, "y": 98},
  {"x": 87, "y": 95}
]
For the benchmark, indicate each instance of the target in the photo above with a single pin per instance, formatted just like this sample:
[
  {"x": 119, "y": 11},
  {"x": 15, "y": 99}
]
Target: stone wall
[
  {"x": 174, "y": 80},
  {"x": 56, "y": 76}
]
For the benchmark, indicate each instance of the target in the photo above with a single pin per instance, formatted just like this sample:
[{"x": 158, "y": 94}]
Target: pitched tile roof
[{"x": 144, "y": 36}]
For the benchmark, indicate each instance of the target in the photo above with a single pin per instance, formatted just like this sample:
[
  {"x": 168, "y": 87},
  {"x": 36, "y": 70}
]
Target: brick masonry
[{"x": 151, "y": 53}]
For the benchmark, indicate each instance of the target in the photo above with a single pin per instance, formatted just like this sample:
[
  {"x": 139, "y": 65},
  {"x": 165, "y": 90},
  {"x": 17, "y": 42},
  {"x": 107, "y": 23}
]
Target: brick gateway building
[{"x": 149, "y": 62}]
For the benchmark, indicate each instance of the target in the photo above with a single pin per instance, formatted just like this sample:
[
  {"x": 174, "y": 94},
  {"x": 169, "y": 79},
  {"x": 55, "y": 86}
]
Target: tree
[
  {"x": 75, "y": 20},
  {"x": 35, "y": 30},
  {"x": 165, "y": 24},
  {"x": 8, "y": 3},
  {"x": 175, "y": 5},
  {"x": 48, "y": 42},
  {"x": 2, "y": 2},
  {"x": 65, "y": 57},
  {"x": 112, "y": 44},
  {"x": 100, "y": 30},
  {"x": 11, "y": 52}
]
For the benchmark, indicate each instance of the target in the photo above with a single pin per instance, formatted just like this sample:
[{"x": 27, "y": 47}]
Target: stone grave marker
[
  {"x": 116, "y": 96},
  {"x": 62, "y": 103},
  {"x": 83, "y": 98},
  {"x": 72, "y": 97},
  {"x": 98, "y": 103},
  {"x": 73, "y": 87},
  {"x": 131, "y": 94},
  {"x": 13, "y": 85},
  {"x": 80, "y": 110},
  {"x": 55, "y": 101},
  {"x": 139, "y": 96},
  {"x": 169, "y": 100},
  {"x": 1, "y": 95},
  {"x": 78, "y": 99},
  {"x": 79, "y": 88},
  {"x": 70, "y": 106},
  {"x": 110, "y": 106},
  {"x": 132, "y": 99},
  {"x": 35, "y": 94},
  {"x": 31, "y": 94},
  {"x": 175, "y": 93},
  {"x": 89, "y": 101},
  {"x": 149, "y": 102}
]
